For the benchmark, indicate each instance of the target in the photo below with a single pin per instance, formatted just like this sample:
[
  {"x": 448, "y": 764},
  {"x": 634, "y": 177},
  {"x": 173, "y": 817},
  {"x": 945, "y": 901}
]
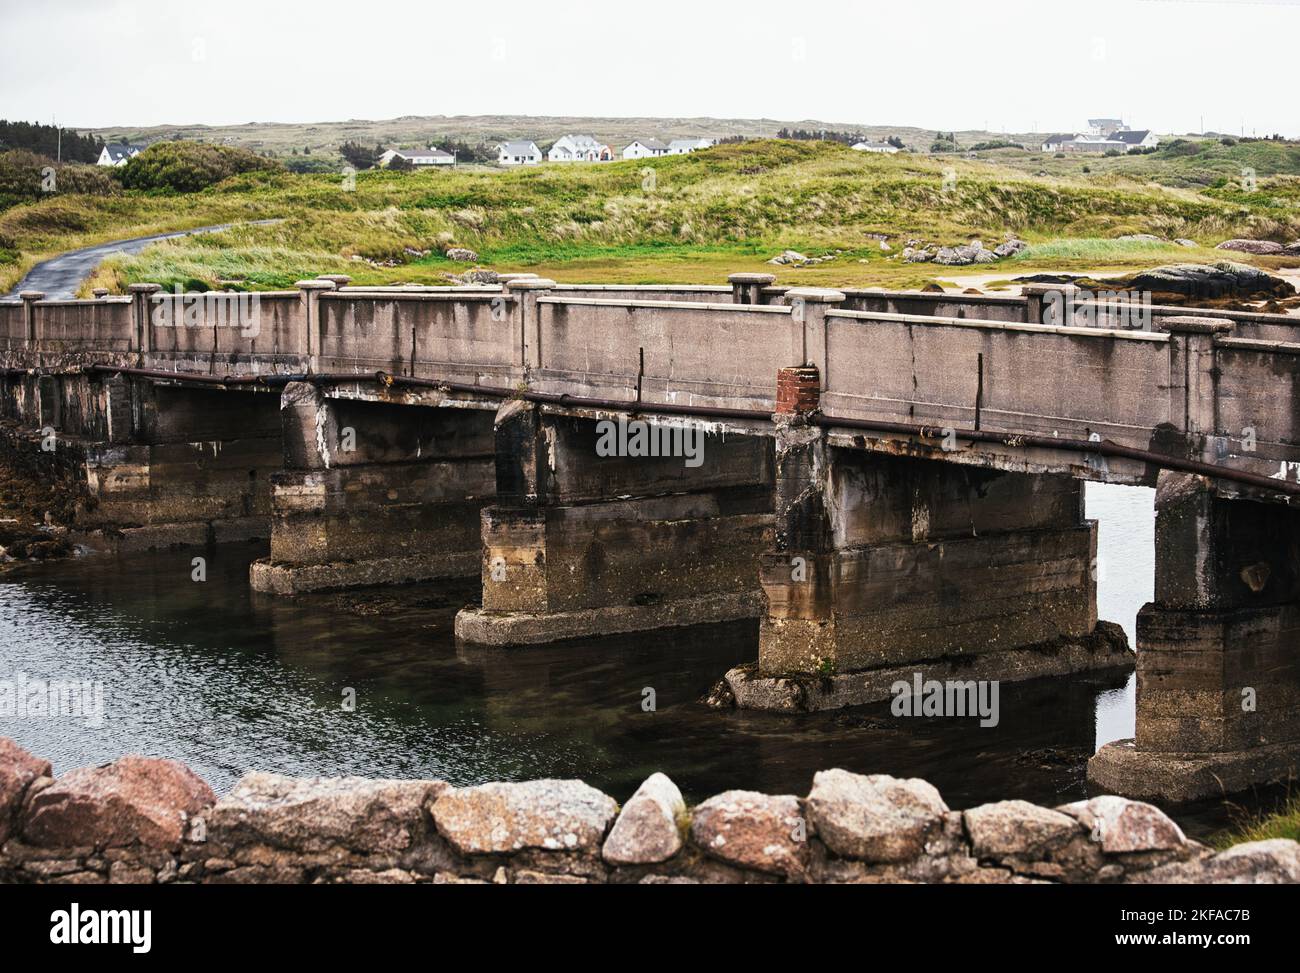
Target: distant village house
[
  {"x": 883, "y": 147},
  {"x": 579, "y": 148},
  {"x": 518, "y": 153},
  {"x": 118, "y": 154},
  {"x": 1103, "y": 135},
  {"x": 418, "y": 157},
  {"x": 683, "y": 146},
  {"x": 645, "y": 149}
]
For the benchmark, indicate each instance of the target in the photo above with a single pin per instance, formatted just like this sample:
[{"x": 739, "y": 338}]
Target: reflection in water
[{"x": 228, "y": 680}]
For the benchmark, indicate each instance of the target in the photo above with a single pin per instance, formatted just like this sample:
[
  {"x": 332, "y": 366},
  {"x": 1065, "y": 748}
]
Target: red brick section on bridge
[{"x": 798, "y": 390}]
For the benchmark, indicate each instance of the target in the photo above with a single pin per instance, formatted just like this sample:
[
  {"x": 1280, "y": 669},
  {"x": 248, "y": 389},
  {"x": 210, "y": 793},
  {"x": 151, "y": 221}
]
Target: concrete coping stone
[
  {"x": 32, "y": 296},
  {"x": 1259, "y": 344},
  {"x": 816, "y": 295},
  {"x": 423, "y": 289},
  {"x": 530, "y": 284},
  {"x": 353, "y": 293},
  {"x": 315, "y": 285},
  {"x": 934, "y": 295},
  {"x": 1038, "y": 290},
  {"x": 748, "y": 277},
  {"x": 924, "y": 319},
  {"x": 682, "y": 305},
  {"x": 648, "y": 288},
  {"x": 144, "y": 288},
  {"x": 90, "y": 301},
  {"x": 1195, "y": 324}
]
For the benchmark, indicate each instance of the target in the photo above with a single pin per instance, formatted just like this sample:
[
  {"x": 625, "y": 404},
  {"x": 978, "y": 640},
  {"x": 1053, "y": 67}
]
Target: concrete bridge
[{"x": 890, "y": 481}]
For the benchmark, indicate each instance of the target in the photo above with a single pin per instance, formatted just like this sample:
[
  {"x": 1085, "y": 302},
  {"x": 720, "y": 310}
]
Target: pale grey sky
[{"x": 1018, "y": 65}]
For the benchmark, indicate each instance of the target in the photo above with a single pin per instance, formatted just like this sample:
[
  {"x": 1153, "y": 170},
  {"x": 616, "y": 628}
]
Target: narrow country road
[{"x": 59, "y": 277}]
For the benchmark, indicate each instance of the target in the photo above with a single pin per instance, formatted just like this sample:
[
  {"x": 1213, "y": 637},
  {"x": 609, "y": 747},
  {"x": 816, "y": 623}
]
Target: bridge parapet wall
[{"x": 1130, "y": 387}]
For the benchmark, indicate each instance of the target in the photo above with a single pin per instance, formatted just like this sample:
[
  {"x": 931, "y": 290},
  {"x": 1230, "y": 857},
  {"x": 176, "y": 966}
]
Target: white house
[
  {"x": 645, "y": 149},
  {"x": 579, "y": 148},
  {"x": 117, "y": 154},
  {"x": 418, "y": 157},
  {"x": 1054, "y": 143},
  {"x": 682, "y": 146},
  {"x": 518, "y": 153},
  {"x": 883, "y": 147}
]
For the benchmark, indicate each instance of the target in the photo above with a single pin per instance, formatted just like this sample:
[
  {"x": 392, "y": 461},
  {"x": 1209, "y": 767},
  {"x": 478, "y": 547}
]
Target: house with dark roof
[
  {"x": 1137, "y": 139},
  {"x": 645, "y": 149}
]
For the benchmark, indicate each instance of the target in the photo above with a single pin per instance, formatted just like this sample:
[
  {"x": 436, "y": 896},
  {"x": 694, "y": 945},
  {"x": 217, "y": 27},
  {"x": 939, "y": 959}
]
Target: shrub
[
  {"x": 20, "y": 176},
  {"x": 89, "y": 180},
  {"x": 187, "y": 167},
  {"x": 315, "y": 164},
  {"x": 23, "y": 178}
]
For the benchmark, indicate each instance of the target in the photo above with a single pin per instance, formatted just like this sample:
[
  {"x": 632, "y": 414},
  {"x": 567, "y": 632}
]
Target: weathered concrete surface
[
  {"x": 1218, "y": 694},
  {"x": 881, "y": 562},
  {"x": 155, "y": 465},
  {"x": 167, "y": 827},
  {"x": 1105, "y": 650},
  {"x": 374, "y": 493},
  {"x": 582, "y": 543}
]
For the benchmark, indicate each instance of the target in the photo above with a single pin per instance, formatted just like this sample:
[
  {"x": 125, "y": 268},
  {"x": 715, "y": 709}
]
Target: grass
[
  {"x": 1283, "y": 823},
  {"x": 692, "y": 218}
]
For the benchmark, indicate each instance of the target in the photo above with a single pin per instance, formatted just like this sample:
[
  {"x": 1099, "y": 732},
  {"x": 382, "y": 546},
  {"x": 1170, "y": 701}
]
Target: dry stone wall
[{"x": 147, "y": 820}]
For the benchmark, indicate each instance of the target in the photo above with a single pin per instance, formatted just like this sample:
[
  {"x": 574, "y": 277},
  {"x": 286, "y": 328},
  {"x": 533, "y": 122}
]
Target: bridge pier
[
  {"x": 156, "y": 465},
  {"x": 676, "y": 544},
  {"x": 885, "y": 565},
  {"x": 1218, "y": 693},
  {"x": 374, "y": 492}
]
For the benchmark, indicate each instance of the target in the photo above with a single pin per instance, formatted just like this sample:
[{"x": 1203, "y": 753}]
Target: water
[{"x": 227, "y": 680}]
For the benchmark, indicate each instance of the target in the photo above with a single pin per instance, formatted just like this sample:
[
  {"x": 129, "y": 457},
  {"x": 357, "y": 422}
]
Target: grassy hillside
[{"x": 685, "y": 218}]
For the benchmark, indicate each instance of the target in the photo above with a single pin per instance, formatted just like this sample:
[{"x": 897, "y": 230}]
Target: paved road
[{"x": 59, "y": 277}]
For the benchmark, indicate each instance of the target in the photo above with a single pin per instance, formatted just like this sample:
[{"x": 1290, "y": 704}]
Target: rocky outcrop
[
  {"x": 1225, "y": 279},
  {"x": 961, "y": 256},
  {"x": 793, "y": 258},
  {"x": 140, "y": 820},
  {"x": 1251, "y": 246},
  {"x": 461, "y": 255}
]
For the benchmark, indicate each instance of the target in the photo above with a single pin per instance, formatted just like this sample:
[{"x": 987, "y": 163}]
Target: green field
[{"x": 690, "y": 218}]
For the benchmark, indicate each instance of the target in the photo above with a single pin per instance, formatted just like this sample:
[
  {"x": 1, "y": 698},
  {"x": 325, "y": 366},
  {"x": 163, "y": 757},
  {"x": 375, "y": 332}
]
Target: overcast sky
[{"x": 1016, "y": 65}]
